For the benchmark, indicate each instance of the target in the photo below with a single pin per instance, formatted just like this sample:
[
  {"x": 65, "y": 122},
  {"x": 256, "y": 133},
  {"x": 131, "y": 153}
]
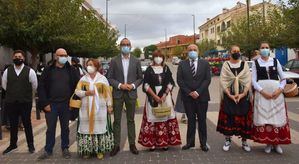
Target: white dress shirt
[
  {"x": 125, "y": 64},
  {"x": 267, "y": 64},
  {"x": 32, "y": 77}
]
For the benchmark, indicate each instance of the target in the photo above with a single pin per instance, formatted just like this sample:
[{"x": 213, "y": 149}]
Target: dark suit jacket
[
  {"x": 200, "y": 83},
  {"x": 116, "y": 75}
]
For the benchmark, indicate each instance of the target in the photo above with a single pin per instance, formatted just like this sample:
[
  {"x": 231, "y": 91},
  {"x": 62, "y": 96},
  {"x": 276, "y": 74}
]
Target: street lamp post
[{"x": 194, "y": 38}]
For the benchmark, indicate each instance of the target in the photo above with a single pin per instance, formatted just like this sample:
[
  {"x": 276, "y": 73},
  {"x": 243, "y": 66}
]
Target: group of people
[{"x": 249, "y": 108}]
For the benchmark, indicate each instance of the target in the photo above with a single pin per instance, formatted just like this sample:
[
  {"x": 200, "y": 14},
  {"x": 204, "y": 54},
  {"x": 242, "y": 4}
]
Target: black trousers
[
  {"x": 195, "y": 108},
  {"x": 15, "y": 110}
]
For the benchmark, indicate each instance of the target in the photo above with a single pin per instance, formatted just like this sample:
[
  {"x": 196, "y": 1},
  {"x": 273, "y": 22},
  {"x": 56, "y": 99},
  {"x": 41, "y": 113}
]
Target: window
[
  {"x": 289, "y": 64},
  {"x": 295, "y": 64},
  {"x": 228, "y": 24},
  {"x": 223, "y": 26},
  {"x": 218, "y": 42},
  {"x": 218, "y": 29}
]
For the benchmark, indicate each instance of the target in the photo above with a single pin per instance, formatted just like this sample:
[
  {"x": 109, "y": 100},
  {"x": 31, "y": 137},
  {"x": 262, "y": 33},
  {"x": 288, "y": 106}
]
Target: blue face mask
[
  {"x": 192, "y": 55},
  {"x": 62, "y": 60},
  {"x": 265, "y": 52},
  {"x": 125, "y": 49}
]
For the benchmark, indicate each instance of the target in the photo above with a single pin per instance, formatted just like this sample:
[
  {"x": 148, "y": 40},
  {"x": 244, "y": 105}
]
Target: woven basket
[{"x": 291, "y": 90}]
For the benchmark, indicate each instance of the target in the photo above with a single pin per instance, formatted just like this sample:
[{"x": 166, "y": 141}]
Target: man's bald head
[
  {"x": 192, "y": 47},
  {"x": 61, "y": 51}
]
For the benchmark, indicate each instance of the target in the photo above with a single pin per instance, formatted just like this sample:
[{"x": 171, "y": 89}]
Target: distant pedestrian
[
  {"x": 235, "y": 114},
  {"x": 194, "y": 78},
  {"x": 95, "y": 136},
  {"x": 125, "y": 76},
  {"x": 158, "y": 85},
  {"x": 270, "y": 121},
  {"x": 57, "y": 83},
  {"x": 76, "y": 63},
  {"x": 19, "y": 81}
]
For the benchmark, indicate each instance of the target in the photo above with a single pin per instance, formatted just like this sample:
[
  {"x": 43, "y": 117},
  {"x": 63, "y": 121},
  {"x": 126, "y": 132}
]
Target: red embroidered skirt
[
  {"x": 235, "y": 125},
  {"x": 159, "y": 134}
]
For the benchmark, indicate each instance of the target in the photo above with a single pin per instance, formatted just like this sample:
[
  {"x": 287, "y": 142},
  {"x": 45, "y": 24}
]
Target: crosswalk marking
[{"x": 5, "y": 142}]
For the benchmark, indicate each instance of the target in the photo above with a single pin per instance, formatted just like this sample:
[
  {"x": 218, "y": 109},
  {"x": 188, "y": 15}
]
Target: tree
[
  {"x": 290, "y": 10},
  {"x": 149, "y": 50},
  {"x": 137, "y": 52},
  {"x": 42, "y": 26},
  {"x": 205, "y": 46},
  {"x": 271, "y": 30},
  {"x": 178, "y": 51}
]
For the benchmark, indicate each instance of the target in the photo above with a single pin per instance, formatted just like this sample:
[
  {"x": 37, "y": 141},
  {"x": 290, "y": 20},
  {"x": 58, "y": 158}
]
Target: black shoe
[
  {"x": 114, "y": 151},
  {"x": 165, "y": 148},
  {"x": 31, "y": 149},
  {"x": 9, "y": 149},
  {"x": 66, "y": 154},
  {"x": 44, "y": 156},
  {"x": 205, "y": 148},
  {"x": 133, "y": 149},
  {"x": 188, "y": 146},
  {"x": 152, "y": 148}
]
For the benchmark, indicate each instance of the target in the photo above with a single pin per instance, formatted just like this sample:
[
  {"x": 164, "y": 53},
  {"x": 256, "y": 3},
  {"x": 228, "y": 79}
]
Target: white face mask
[
  {"x": 158, "y": 60},
  {"x": 91, "y": 69}
]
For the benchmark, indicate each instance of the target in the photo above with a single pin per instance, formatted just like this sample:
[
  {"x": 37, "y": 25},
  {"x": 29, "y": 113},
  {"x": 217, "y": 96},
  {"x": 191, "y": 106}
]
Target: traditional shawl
[{"x": 227, "y": 78}]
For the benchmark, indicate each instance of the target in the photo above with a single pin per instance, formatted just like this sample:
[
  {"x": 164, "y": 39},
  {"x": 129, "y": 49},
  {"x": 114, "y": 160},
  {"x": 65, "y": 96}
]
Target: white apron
[
  {"x": 271, "y": 111},
  {"x": 149, "y": 112}
]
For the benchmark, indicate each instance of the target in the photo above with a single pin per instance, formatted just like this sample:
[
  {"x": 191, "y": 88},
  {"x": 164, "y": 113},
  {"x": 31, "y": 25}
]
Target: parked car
[
  {"x": 175, "y": 60},
  {"x": 145, "y": 64},
  {"x": 105, "y": 67},
  {"x": 292, "y": 65}
]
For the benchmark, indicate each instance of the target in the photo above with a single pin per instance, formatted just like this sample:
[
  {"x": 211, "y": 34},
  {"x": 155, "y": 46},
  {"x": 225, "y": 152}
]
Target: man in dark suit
[
  {"x": 125, "y": 76},
  {"x": 193, "y": 78}
]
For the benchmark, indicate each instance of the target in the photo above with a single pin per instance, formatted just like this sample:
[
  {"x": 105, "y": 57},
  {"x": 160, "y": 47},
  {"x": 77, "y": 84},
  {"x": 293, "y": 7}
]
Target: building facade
[
  {"x": 177, "y": 45},
  {"x": 213, "y": 28}
]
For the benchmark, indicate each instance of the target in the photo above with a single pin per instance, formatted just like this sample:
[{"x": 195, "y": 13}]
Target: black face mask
[
  {"x": 236, "y": 55},
  {"x": 18, "y": 62}
]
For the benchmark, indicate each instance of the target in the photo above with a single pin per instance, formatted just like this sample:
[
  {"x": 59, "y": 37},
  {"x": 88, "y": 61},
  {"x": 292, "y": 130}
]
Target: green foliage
[
  {"x": 41, "y": 26},
  {"x": 290, "y": 10},
  {"x": 178, "y": 51},
  {"x": 149, "y": 50},
  {"x": 137, "y": 52},
  {"x": 272, "y": 30},
  {"x": 206, "y": 45}
]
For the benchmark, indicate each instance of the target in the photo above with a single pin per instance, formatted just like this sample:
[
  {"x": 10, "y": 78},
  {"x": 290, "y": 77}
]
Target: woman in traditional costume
[
  {"x": 94, "y": 135},
  {"x": 270, "y": 121},
  {"x": 158, "y": 131},
  {"x": 235, "y": 114}
]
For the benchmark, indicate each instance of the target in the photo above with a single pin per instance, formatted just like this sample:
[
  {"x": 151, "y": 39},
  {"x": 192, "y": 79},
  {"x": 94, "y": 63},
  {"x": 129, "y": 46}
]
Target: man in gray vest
[{"x": 19, "y": 81}]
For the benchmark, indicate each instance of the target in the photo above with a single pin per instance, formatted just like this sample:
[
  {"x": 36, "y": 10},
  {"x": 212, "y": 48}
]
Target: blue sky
[{"x": 146, "y": 20}]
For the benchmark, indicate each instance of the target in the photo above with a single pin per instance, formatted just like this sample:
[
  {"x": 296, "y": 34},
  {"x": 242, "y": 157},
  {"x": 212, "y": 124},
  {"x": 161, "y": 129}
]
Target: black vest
[
  {"x": 18, "y": 89},
  {"x": 263, "y": 74}
]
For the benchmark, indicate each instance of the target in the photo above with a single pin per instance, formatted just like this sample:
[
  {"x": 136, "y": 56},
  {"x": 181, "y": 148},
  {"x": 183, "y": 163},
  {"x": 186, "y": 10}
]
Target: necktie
[{"x": 193, "y": 68}]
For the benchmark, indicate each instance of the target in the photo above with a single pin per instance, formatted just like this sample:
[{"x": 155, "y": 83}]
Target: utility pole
[
  {"x": 264, "y": 11},
  {"x": 194, "y": 37},
  {"x": 107, "y": 15},
  {"x": 125, "y": 30},
  {"x": 165, "y": 43},
  {"x": 248, "y": 27}
]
